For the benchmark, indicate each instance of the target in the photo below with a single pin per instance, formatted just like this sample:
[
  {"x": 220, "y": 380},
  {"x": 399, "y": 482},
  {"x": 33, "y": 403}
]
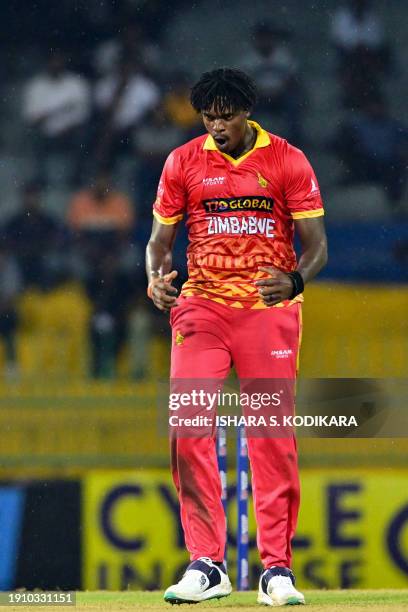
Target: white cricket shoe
[
  {"x": 277, "y": 588},
  {"x": 202, "y": 580}
]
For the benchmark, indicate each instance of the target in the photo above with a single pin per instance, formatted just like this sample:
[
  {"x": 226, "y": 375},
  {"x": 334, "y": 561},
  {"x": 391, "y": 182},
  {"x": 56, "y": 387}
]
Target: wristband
[{"x": 298, "y": 284}]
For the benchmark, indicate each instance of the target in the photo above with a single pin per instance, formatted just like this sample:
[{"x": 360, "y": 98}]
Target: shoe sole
[
  {"x": 265, "y": 600},
  {"x": 213, "y": 593},
  {"x": 174, "y": 599}
]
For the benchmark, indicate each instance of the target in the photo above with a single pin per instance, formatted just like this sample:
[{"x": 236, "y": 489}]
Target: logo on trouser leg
[
  {"x": 281, "y": 353},
  {"x": 179, "y": 338}
]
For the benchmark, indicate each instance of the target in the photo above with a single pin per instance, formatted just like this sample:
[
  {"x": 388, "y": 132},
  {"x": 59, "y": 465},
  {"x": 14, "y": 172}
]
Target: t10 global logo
[{"x": 225, "y": 205}]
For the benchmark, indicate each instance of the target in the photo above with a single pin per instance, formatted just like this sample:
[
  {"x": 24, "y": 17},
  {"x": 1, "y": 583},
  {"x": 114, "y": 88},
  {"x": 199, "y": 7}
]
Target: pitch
[{"x": 356, "y": 601}]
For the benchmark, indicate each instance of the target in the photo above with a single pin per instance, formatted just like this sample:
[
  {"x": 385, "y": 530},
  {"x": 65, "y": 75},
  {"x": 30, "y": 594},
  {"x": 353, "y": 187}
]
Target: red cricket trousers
[{"x": 207, "y": 339}]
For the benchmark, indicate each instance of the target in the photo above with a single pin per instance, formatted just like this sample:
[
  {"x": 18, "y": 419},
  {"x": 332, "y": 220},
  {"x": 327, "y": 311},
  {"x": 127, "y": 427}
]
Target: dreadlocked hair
[{"x": 224, "y": 89}]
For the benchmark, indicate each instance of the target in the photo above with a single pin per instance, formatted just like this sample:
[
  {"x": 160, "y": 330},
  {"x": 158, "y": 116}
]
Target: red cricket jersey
[{"x": 240, "y": 212}]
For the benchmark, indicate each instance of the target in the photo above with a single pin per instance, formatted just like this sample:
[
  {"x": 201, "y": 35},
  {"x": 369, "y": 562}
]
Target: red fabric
[
  {"x": 207, "y": 339},
  {"x": 239, "y": 215}
]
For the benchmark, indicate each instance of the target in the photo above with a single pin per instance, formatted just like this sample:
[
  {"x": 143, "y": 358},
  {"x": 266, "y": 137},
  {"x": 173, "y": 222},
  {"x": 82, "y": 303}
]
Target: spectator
[
  {"x": 101, "y": 220},
  {"x": 123, "y": 99},
  {"x": 10, "y": 289},
  {"x": 129, "y": 42},
  {"x": 373, "y": 146},
  {"x": 177, "y": 106},
  {"x": 153, "y": 141},
  {"x": 110, "y": 291},
  {"x": 357, "y": 25},
  {"x": 57, "y": 107},
  {"x": 274, "y": 69},
  {"x": 100, "y": 209},
  {"x": 363, "y": 54},
  {"x": 36, "y": 239}
]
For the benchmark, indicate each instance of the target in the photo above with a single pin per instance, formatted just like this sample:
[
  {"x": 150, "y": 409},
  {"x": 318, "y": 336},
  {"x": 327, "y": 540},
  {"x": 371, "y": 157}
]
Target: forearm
[
  {"x": 158, "y": 266},
  {"x": 313, "y": 242},
  {"x": 158, "y": 259},
  {"x": 312, "y": 260}
]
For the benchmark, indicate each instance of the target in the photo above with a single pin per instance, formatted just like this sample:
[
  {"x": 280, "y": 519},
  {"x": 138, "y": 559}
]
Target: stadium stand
[{"x": 53, "y": 337}]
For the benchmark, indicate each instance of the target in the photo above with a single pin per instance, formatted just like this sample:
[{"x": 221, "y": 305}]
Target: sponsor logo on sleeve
[{"x": 314, "y": 189}]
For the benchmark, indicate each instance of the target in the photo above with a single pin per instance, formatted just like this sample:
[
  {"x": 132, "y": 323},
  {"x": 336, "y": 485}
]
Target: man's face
[{"x": 228, "y": 128}]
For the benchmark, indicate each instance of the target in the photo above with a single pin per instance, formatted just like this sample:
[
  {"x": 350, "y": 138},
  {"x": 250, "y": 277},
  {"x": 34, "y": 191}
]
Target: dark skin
[
  {"x": 158, "y": 265},
  {"x": 235, "y": 137},
  {"x": 231, "y": 131},
  {"x": 278, "y": 286}
]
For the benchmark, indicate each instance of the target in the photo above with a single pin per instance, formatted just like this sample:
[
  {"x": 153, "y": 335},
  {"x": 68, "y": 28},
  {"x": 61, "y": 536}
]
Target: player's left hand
[{"x": 276, "y": 288}]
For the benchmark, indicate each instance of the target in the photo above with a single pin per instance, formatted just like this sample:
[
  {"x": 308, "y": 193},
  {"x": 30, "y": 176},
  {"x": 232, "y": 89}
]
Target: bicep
[
  {"x": 311, "y": 232},
  {"x": 164, "y": 235}
]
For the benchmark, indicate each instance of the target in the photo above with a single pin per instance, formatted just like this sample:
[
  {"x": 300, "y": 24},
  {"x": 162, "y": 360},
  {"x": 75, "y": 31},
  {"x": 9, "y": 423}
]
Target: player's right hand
[{"x": 163, "y": 294}]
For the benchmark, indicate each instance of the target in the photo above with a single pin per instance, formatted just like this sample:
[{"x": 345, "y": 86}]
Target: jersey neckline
[{"x": 262, "y": 140}]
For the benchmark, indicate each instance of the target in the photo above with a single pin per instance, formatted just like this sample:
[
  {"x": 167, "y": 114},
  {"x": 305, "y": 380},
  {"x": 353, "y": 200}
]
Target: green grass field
[
  {"x": 317, "y": 600},
  {"x": 383, "y": 601}
]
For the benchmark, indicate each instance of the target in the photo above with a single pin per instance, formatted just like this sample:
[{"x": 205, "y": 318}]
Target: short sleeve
[
  {"x": 170, "y": 200},
  {"x": 302, "y": 193}
]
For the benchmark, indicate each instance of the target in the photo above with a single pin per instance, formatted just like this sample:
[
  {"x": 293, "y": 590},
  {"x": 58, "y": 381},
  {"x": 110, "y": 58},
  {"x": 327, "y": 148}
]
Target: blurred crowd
[{"x": 103, "y": 109}]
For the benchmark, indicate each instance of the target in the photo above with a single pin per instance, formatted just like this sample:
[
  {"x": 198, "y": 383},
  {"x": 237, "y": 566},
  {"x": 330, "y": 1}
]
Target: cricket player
[{"x": 244, "y": 193}]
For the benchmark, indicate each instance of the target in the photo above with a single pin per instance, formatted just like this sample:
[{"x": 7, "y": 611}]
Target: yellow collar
[{"x": 262, "y": 140}]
